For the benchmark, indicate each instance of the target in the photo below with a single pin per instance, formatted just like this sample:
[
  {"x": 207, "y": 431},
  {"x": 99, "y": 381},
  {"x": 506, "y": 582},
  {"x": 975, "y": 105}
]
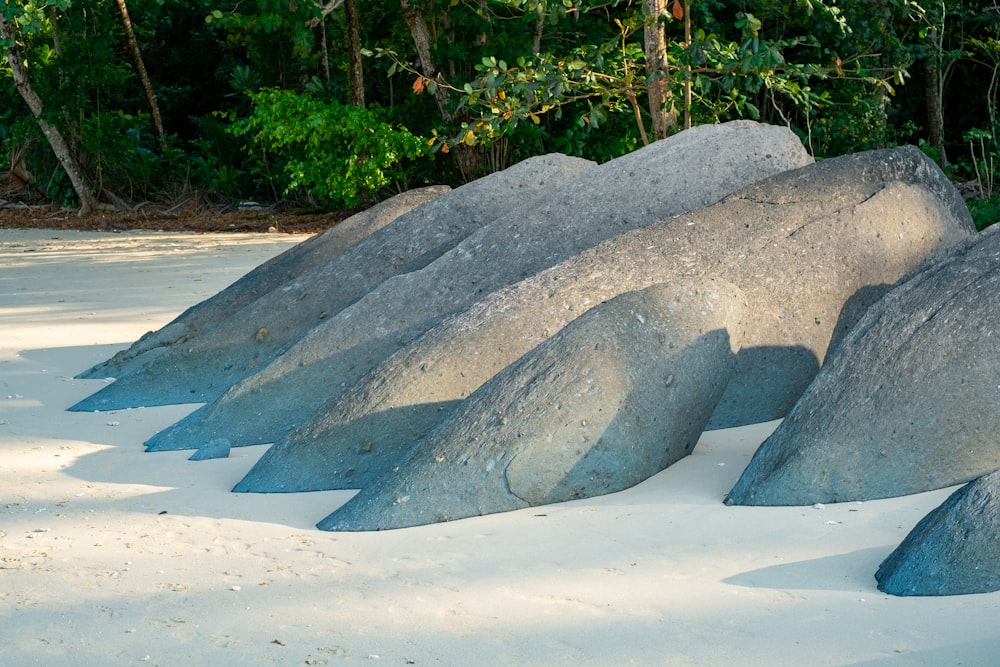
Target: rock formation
[
  {"x": 684, "y": 172},
  {"x": 555, "y": 331},
  {"x": 285, "y": 269},
  {"x": 799, "y": 246},
  {"x": 615, "y": 397},
  {"x": 908, "y": 402},
  {"x": 954, "y": 550},
  {"x": 188, "y": 365}
]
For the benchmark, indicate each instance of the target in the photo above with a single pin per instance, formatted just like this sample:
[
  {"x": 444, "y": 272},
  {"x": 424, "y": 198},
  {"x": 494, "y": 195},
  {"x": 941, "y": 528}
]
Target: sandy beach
[{"x": 113, "y": 556}]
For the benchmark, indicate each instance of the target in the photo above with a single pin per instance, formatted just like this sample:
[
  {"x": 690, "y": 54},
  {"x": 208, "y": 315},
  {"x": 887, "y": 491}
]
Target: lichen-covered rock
[
  {"x": 678, "y": 174},
  {"x": 617, "y": 396},
  {"x": 954, "y": 550},
  {"x": 907, "y": 403}
]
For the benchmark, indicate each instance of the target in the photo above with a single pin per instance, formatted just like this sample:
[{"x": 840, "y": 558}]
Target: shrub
[
  {"x": 339, "y": 154},
  {"x": 985, "y": 212}
]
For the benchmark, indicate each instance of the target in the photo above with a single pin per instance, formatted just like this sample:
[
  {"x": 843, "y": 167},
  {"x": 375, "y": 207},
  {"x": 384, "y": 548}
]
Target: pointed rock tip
[
  {"x": 95, "y": 372},
  {"x": 119, "y": 396},
  {"x": 335, "y": 523},
  {"x": 216, "y": 449},
  {"x": 367, "y": 512},
  {"x": 172, "y": 439},
  {"x": 100, "y": 401},
  {"x": 274, "y": 475}
]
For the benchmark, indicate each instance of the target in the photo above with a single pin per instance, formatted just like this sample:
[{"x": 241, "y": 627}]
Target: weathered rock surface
[
  {"x": 907, "y": 403},
  {"x": 615, "y": 397},
  {"x": 954, "y": 550},
  {"x": 286, "y": 268},
  {"x": 681, "y": 173},
  {"x": 800, "y": 246},
  {"x": 199, "y": 367}
]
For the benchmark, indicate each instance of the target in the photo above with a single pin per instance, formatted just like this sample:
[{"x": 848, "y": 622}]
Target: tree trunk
[
  {"x": 484, "y": 36},
  {"x": 56, "y": 41},
  {"x": 318, "y": 24},
  {"x": 687, "y": 79},
  {"x": 935, "y": 112},
  {"x": 140, "y": 68},
  {"x": 422, "y": 41},
  {"x": 323, "y": 63},
  {"x": 356, "y": 71},
  {"x": 655, "y": 45},
  {"x": 536, "y": 35},
  {"x": 23, "y": 84}
]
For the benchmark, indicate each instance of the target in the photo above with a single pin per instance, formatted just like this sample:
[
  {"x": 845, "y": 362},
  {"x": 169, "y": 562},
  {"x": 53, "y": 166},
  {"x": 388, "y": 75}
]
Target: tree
[
  {"x": 356, "y": 71},
  {"x": 8, "y": 37},
  {"x": 655, "y": 44},
  {"x": 140, "y": 68},
  {"x": 729, "y": 73},
  {"x": 431, "y": 80},
  {"x": 493, "y": 80}
]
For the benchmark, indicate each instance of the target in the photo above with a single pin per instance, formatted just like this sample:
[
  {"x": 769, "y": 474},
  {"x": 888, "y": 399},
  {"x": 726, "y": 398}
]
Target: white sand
[{"x": 112, "y": 556}]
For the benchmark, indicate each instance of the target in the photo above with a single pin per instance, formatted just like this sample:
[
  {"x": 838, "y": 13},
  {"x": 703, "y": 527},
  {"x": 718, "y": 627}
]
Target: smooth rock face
[
  {"x": 198, "y": 366},
  {"x": 284, "y": 269},
  {"x": 954, "y": 550},
  {"x": 615, "y": 397},
  {"x": 800, "y": 246},
  {"x": 683, "y": 172},
  {"x": 907, "y": 403}
]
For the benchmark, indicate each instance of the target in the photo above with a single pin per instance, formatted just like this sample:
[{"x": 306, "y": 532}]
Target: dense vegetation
[{"x": 339, "y": 103}]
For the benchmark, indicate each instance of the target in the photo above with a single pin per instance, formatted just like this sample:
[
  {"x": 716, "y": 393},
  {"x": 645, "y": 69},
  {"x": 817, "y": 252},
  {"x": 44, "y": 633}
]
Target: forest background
[{"x": 139, "y": 105}]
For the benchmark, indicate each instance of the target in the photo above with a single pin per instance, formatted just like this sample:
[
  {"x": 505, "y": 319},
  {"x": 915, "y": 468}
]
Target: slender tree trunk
[
  {"x": 421, "y": 34},
  {"x": 537, "y": 33},
  {"x": 323, "y": 64},
  {"x": 484, "y": 36},
  {"x": 318, "y": 24},
  {"x": 687, "y": 79},
  {"x": 23, "y": 84},
  {"x": 140, "y": 68},
  {"x": 56, "y": 41},
  {"x": 935, "y": 112},
  {"x": 655, "y": 45},
  {"x": 356, "y": 71}
]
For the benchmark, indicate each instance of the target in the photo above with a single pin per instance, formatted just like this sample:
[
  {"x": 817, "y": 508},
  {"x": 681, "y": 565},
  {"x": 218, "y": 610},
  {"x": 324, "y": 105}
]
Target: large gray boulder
[
  {"x": 284, "y": 269},
  {"x": 196, "y": 366},
  {"x": 684, "y": 172},
  {"x": 954, "y": 550},
  {"x": 801, "y": 246},
  {"x": 618, "y": 395},
  {"x": 908, "y": 402}
]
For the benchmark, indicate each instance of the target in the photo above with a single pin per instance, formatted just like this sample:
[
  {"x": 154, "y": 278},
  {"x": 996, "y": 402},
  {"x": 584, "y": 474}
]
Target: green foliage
[
  {"x": 219, "y": 160},
  {"x": 121, "y": 151},
  {"x": 59, "y": 189},
  {"x": 515, "y": 78},
  {"x": 274, "y": 39},
  {"x": 985, "y": 211},
  {"x": 982, "y": 149},
  {"x": 764, "y": 64},
  {"x": 340, "y": 154}
]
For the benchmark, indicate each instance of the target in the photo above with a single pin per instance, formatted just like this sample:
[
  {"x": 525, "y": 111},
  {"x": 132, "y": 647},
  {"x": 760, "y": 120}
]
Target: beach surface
[{"x": 113, "y": 556}]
